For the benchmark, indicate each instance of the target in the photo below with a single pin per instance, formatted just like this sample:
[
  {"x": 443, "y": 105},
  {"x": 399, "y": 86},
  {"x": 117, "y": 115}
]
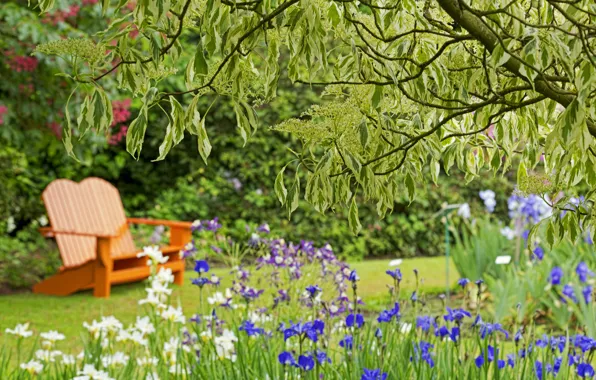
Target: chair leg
[
  {"x": 102, "y": 281},
  {"x": 67, "y": 281},
  {"x": 179, "y": 277}
]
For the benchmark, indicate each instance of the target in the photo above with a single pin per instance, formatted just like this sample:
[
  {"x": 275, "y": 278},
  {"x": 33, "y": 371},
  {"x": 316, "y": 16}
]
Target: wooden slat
[{"x": 91, "y": 207}]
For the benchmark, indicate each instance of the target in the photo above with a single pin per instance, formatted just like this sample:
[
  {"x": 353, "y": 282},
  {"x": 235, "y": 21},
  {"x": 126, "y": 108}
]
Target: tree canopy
[{"x": 409, "y": 85}]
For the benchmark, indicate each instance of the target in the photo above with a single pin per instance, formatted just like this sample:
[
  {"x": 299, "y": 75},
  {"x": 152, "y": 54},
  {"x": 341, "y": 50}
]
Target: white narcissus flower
[
  {"x": 90, "y": 373},
  {"x": 179, "y": 370},
  {"x": 154, "y": 254},
  {"x": 115, "y": 360},
  {"x": 224, "y": 345},
  {"x": 164, "y": 276},
  {"x": 405, "y": 328},
  {"x": 508, "y": 233},
  {"x": 173, "y": 314},
  {"x": 94, "y": 328},
  {"x": 464, "y": 211},
  {"x": 32, "y": 366},
  {"x": 110, "y": 324},
  {"x": 68, "y": 359},
  {"x": 52, "y": 336},
  {"x": 20, "y": 330},
  {"x": 147, "y": 361},
  {"x": 144, "y": 325},
  {"x": 47, "y": 356}
]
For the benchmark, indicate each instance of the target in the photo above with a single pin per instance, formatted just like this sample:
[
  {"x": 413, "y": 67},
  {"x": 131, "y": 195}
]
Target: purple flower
[
  {"x": 463, "y": 282},
  {"x": 396, "y": 274},
  {"x": 347, "y": 342},
  {"x": 264, "y": 228},
  {"x": 487, "y": 329},
  {"x": 387, "y": 315},
  {"x": 587, "y": 293},
  {"x": 511, "y": 360},
  {"x": 310, "y": 330},
  {"x": 201, "y": 266},
  {"x": 200, "y": 281},
  {"x": 353, "y": 276},
  {"x": 322, "y": 357},
  {"x": 306, "y": 362},
  {"x": 250, "y": 328},
  {"x": 355, "y": 320},
  {"x": 286, "y": 358},
  {"x": 583, "y": 272},
  {"x": 424, "y": 322},
  {"x": 555, "y": 275},
  {"x": 585, "y": 370},
  {"x": 538, "y": 370},
  {"x": 373, "y": 374},
  {"x": 569, "y": 292},
  {"x": 539, "y": 253},
  {"x": 422, "y": 351},
  {"x": 454, "y": 334},
  {"x": 313, "y": 290},
  {"x": 456, "y": 315},
  {"x": 378, "y": 333}
]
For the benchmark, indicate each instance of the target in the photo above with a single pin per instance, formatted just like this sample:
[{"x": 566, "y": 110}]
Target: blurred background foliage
[{"x": 236, "y": 185}]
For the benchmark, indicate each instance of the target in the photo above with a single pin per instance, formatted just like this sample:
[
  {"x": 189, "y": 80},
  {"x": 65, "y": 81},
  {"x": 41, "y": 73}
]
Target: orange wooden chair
[{"x": 88, "y": 222}]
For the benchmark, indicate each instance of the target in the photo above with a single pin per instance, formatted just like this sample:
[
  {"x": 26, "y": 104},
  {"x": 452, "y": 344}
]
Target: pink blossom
[{"x": 3, "y": 110}]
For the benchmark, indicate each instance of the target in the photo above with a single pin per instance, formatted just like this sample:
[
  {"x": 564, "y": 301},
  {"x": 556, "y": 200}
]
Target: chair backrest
[{"x": 92, "y": 206}]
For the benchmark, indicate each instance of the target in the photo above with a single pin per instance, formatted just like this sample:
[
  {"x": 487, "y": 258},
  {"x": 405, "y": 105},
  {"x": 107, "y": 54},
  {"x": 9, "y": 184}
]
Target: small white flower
[
  {"x": 173, "y": 315},
  {"x": 144, "y": 325},
  {"x": 68, "y": 359},
  {"x": 115, "y": 360},
  {"x": 47, "y": 356},
  {"x": 32, "y": 366},
  {"x": 21, "y": 330},
  {"x": 164, "y": 276},
  {"x": 152, "y": 376},
  {"x": 508, "y": 233},
  {"x": 90, "y": 373},
  {"x": 52, "y": 336},
  {"x": 154, "y": 254},
  {"x": 179, "y": 370},
  {"x": 94, "y": 328},
  {"x": 405, "y": 328},
  {"x": 279, "y": 259},
  {"x": 147, "y": 361},
  {"x": 464, "y": 211}
]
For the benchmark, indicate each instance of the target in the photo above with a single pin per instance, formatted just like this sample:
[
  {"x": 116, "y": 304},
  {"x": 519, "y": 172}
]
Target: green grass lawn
[{"x": 66, "y": 314}]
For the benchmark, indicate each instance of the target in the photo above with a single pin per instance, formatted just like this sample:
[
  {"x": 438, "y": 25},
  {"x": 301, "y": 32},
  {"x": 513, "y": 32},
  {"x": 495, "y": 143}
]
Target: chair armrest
[
  {"x": 50, "y": 232},
  {"x": 160, "y": 222}
]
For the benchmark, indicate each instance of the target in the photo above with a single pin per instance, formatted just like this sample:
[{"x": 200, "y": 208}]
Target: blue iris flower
[
  {"x": 424, "y": 323},
  {"x": 353, "y": 276},
  {"x": 355, "y": 320},
  {"x": 322, "y": 357},
  {"x": 200, "y": 281},
  {"x": 585, "y": 370},
  {"x": 463, "y": 282},
  {"x": 201, "y": 266},
  {"x": 313, "y": 290},
  {"x": 539, "y": 253},
  {"x": 556, "y": 274},
  {"x": 456, "y": 315},
  {"x": 311, "y": 330},
  {"x": 347, "y": 342},
  {"x": 583, "y": 271},
  {"x": 538, "y": 370},
  {"x": 396, "y": 274},
  {"x": 250, "y": 328},
  {"x": 286, "y": 358},
  {"x": 306, "y": 362},
  {"x": 373, "y": 374}
]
